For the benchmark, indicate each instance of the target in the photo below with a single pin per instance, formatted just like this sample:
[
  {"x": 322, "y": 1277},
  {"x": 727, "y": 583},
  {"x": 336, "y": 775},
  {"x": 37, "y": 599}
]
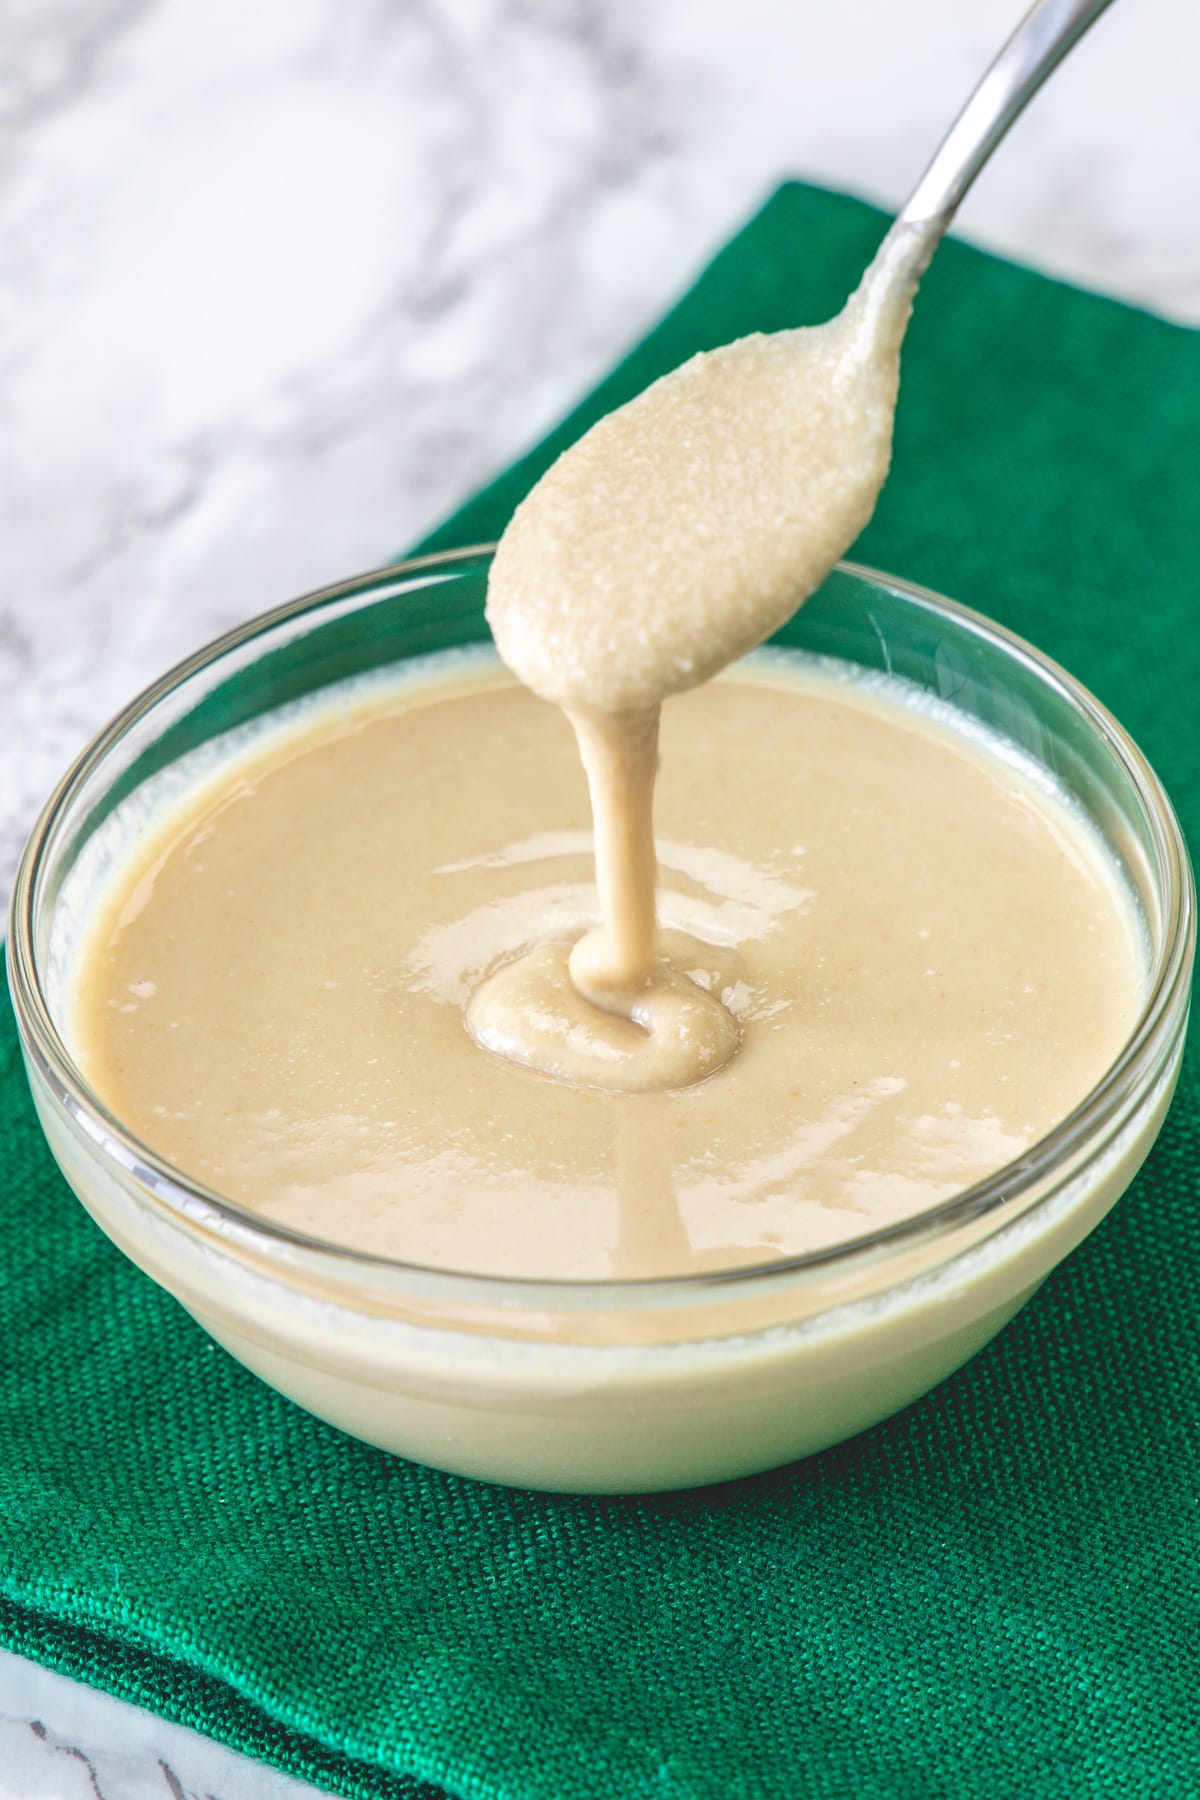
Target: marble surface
[
  {"x": 60, "y": 1741},
  {"x": 280, "y": 282}
]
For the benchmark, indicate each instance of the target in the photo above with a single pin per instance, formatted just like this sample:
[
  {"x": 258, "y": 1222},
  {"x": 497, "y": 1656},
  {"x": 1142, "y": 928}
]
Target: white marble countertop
[
  {"x": 280, "y": 282},
  {"x": 61, "y": 1741}
]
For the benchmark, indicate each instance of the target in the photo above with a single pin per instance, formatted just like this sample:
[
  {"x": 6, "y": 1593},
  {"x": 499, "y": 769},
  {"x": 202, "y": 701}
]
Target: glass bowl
[{"x": 595, "y": 1386}]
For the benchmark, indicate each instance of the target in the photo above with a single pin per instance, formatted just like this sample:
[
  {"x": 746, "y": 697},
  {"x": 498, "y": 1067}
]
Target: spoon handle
[{"x": 1034, "y": 50}]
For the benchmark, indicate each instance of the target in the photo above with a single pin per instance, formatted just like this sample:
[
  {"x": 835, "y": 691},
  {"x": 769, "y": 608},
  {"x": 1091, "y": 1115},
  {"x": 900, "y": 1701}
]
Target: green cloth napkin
[{"x": 993, "y": 1595}]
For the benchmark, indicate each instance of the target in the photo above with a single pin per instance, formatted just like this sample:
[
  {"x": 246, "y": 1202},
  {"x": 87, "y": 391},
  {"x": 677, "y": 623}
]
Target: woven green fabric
[{"x": 994, "y": 1594}]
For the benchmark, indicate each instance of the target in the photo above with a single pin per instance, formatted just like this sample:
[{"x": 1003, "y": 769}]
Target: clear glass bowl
[{"x": 606, "y": 1386}]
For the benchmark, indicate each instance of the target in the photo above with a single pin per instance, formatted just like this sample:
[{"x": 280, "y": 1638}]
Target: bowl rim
[{"x": 192, "y": 1204}]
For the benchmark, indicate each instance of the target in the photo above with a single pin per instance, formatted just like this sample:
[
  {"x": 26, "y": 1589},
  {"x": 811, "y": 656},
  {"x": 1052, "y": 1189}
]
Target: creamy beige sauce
[
  {"x": 928, "y": 959},
  {"x": 677, "y": 534}
]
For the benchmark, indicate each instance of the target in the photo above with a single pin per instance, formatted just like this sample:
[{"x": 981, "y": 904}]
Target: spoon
[
  {"x": 689, "y": 524},
  {"x": 1037, "y": 46}
]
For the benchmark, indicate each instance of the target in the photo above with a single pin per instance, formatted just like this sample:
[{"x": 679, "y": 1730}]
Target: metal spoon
[
  {"x": 776, "y": 445},
  {"x": 1033, "y": 52}
]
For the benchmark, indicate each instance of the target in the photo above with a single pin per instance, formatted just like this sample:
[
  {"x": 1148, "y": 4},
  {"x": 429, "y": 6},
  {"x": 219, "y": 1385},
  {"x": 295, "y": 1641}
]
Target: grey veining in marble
[
  {"x": 280, "y": 281},
  {"x": 61, "y": 1741}
]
